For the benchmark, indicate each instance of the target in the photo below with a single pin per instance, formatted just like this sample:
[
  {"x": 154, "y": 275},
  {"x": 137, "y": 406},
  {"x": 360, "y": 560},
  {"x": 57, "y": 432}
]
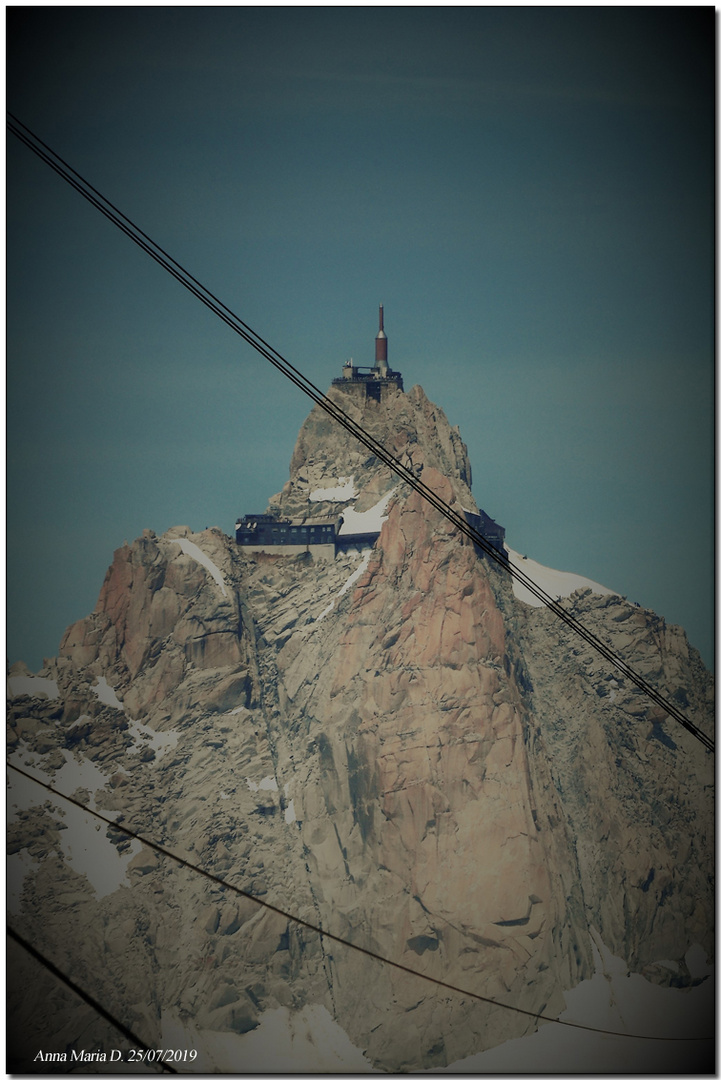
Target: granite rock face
[
  {"x": 389, "y": 745},
  {"x": 409, "y": 426}
]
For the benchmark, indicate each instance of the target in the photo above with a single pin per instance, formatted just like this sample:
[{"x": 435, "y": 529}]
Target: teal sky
[{"x": 529, "y": 191}]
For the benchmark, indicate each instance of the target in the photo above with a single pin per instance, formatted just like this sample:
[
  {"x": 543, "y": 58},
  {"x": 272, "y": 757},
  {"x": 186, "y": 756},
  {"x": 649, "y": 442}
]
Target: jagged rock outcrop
[
  {"x": 390, "y": 746},
  {"x": 409, "y": 426},
  {"x": 159, "y": 624},
  {"x": 624, "y": 771}
]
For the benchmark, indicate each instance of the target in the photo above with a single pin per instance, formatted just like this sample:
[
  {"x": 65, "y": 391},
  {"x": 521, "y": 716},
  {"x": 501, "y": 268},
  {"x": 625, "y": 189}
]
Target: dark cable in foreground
[
  {"x": 118, "y": 1024},
  {"x": 63, "y": 169},
  {"x": 166, "y": 853}
]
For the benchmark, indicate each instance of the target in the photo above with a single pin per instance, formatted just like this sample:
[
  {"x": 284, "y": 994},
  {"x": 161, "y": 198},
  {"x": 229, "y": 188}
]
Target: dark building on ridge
[
  {"x": 493, "y": 533},
  {"x": 290, "y": 536}
]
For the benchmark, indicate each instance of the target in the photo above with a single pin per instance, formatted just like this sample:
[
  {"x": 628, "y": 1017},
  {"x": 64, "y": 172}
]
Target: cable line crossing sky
[
  {"x": 531, "y": 193},
  {"x": 22, "y": 132}
]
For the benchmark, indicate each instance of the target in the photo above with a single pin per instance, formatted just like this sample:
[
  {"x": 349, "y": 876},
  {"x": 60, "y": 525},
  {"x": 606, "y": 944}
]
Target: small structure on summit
[
  {"x": 370, "y": 382},
  {"x": 324, "y": 537}
]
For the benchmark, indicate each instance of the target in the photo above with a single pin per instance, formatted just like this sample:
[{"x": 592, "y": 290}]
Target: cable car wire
[
  {"x": 84, "y": 188},
  {"x": 181, "y": 861},
  {"x": 222, "y": 311},
  {"x": 89, "y": 1000}
]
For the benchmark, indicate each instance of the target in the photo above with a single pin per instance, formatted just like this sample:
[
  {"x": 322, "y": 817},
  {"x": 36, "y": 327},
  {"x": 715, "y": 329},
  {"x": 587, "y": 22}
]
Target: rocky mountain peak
[
  {"x": 329, "y": 459},
  {"x": 388, "y": 744}
]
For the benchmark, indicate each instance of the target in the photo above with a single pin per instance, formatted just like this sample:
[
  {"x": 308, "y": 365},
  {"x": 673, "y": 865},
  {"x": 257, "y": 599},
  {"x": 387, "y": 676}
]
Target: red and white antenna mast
[{"x": 381, "y": 344}]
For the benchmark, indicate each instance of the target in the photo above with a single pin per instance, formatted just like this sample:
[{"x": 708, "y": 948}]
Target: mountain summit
[{"x": 388, "y": 744}]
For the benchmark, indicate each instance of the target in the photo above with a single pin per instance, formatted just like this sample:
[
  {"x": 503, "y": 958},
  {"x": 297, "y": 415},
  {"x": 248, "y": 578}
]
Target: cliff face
[
  {"x": 390, "y": 746},
  {"x": 409, "y": 426},
  {"x": 636, "y": 786}
]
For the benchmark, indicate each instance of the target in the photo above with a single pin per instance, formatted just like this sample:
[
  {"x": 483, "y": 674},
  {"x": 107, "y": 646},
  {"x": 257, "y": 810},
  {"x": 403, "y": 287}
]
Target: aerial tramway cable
[
  {"x": 181, "y": 861},
  {"x": 43, "y": 151},
  {"x": 25, "y": 135},
  {"x": 150, "y": 1056}
]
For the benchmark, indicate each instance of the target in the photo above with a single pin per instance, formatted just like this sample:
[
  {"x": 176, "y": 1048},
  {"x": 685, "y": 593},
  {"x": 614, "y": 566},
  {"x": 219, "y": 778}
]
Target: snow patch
[
  {"x": 290, "y": 813},
  {"x": 143, "y": 736},
  {"x": 33, "y": 686},
  {"x": 305, "y": 1041},
  {"x": 343, "y": 491},
  {"x": 357, "y": 572},
  {"x": 189, "y": 548},
  {"x": 107, "y": 695},
  {"x": 76, "y": 774},
  {"x": 268, "y": 783},
  {"x": 369, "y": 521},
  {"x": 82, "y": 719},
  {"x": 326, "y": 610},
  {"x": 68, "y": 778},
  {"x": 615, "y": 1000},
  {"x": 557, "y": 583},
  {"x": 696, "y": 963},
  {"x": 351, "y": 581},
  {"x": 84, "y": 844}
]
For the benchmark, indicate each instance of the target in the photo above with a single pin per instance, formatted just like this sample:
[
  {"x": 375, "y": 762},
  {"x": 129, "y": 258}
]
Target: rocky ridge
[{"x": 391, "y": 746}]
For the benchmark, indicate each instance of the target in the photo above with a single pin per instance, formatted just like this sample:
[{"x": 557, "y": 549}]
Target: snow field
[
  {"x": 343, "y": 491},
  {"x": 616, "y": 1000},
  {"x": 290, "y": 815},
  {"x": 191, "y": 549},
  {"x": 83, "y": 843},
  {"x": 369, "y": 521},
  {"x": 268, "y": 783},
  {"x": 557, "y": 583},
  {"x": 310, "y": 1041},
  {"x": 305, "y": 1041},
  {"x": 33, "y": 686}
]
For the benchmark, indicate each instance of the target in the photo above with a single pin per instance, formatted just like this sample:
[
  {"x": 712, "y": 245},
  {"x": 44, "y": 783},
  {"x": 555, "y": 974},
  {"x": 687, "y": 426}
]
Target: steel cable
[
  {"x": 86, "y": 997},
  {"x": 181, "y": 861},
  {"x": 63, "y": 169}
]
